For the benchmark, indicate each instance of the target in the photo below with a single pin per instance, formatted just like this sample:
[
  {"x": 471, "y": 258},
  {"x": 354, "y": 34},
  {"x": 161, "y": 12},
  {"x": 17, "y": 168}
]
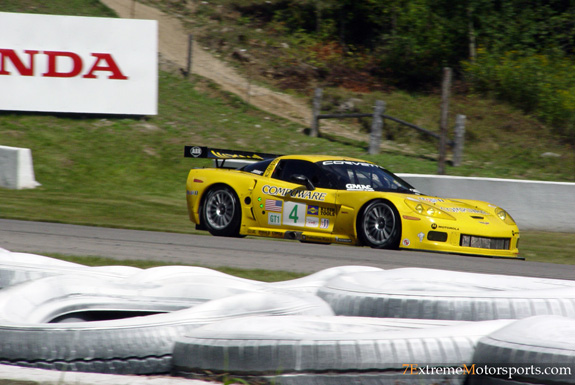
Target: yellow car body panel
[{"x": 277, "y": 208}]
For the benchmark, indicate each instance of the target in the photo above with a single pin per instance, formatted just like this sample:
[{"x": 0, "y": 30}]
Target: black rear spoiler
[{"x": 216, "y": 153}]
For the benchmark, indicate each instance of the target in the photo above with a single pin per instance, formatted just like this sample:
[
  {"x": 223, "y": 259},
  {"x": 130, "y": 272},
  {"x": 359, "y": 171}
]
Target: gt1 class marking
[
  {"x": 302, "y": 194},
  {"x": 274, "y": 219}
]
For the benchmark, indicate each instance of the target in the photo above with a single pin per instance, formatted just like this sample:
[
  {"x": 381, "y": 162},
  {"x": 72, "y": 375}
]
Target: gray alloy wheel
[
  {"x": 379, "y": 225},
  {"x": 221, "y": 212}
]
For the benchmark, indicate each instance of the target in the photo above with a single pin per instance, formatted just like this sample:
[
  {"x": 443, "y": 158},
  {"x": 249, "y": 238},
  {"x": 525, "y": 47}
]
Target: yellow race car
[{"x": 335, "y": 199}]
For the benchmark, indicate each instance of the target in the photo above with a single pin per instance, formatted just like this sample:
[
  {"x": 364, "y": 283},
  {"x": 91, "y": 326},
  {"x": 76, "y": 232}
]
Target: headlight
[
  {"x": 504, "y": 216},
  {"x": 427, "y": 210}
]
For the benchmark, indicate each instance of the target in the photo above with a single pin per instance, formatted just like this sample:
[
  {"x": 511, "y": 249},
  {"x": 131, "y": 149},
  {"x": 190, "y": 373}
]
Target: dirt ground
[{"x": 173, "y": 46}]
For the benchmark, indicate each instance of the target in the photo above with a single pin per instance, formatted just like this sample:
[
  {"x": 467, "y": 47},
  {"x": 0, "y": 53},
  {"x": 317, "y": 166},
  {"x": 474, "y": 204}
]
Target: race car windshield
[{"x": 363, "y": 176}]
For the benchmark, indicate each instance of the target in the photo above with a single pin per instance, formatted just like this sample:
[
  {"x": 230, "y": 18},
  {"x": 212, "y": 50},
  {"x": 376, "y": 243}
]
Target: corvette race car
[{"x": 335, "y": 199}]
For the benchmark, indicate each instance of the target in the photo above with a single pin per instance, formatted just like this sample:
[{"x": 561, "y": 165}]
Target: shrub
[{"x": 540, "y": 84}]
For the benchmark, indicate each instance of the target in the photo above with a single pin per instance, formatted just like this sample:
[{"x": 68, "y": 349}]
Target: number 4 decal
[{"x": 294, "y": 214}]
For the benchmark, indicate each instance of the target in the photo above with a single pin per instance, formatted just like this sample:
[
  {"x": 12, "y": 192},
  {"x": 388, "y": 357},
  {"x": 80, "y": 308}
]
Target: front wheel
[
  {"x": 221, "y": 212},
  {"x": 379, "y": 226}
]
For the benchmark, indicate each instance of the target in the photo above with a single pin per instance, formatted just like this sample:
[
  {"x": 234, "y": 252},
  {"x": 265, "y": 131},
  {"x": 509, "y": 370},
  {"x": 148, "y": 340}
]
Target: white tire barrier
[
  {"x": 16, "y": 268},
  {"x": 438, "y": 294},
  {"x": 139, "y": 345},
  {"x": 536, "y": 350},
  {"x": 318, "y": 350}
]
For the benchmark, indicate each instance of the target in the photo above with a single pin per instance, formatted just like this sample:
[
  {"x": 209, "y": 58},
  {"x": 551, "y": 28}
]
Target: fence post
[
  {"x": 459, "y": 140},
  {"x": 445, "y": 87},
  {"x": 316, "y": 108},
  {"x": 190, "y": 48},
  {"x": 376, "y": 127}
]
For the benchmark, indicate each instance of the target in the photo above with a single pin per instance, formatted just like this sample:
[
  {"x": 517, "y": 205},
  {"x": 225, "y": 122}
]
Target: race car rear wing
[{"x": 226, "y": 155}]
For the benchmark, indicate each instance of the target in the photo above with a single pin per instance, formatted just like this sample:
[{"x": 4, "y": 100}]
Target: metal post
[
  {"x": 459, "y": 140},
  {"x": 316, "y": 108},
  {"x": 445, "y": 87},
  {"x": 376, "y": 127}
]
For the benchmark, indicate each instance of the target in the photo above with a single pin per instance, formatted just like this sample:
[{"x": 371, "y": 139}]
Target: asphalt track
[{"x": 247, "y": 253}]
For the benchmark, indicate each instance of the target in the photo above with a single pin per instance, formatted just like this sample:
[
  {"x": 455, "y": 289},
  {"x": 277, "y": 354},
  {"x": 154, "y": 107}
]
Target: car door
[{"x": 286, "y": 204}]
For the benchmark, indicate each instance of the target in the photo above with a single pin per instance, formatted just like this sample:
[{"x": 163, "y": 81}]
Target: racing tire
[
  {"x": 526, "y": 349},
  {"x": 138, "y": 345},
  {"x": 441, "y": 294},
  {"x": 302, "y": 350},
  {"x": 379, "y": 226},
  {"x": 221, "y": 212}
]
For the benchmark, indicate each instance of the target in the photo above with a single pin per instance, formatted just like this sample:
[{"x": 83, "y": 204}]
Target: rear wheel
[
  {"x": 379, "y": 225},
  {"x": 221, "y": 212}
]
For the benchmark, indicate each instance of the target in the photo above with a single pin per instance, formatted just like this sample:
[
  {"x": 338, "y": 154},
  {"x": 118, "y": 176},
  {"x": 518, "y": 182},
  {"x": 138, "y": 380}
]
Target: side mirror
[{"x": 303, "y": 180}]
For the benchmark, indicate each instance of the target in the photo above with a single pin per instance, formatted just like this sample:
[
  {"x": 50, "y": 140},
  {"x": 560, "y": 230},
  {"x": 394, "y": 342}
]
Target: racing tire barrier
[
  {"x": 535, "y": 350},
  {"x": 439, "y": 294},
  {"x": 22, "y": 267},
  {"x": 304, "y": 350},
  {"x": 138, "y": 345}
]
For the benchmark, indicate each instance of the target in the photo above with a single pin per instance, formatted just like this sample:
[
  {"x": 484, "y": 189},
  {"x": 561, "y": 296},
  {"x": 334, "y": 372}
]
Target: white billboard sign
[{"x": 78, "y": 64}]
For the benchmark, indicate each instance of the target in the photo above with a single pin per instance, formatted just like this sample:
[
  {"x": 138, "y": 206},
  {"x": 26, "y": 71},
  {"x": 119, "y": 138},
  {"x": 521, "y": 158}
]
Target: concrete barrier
[
  {"x": 535, "y": 205},
  {"x": 16, "y": 169}
]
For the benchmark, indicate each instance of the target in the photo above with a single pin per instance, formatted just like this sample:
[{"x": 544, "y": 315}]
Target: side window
[
  {"x": 257, "y": 168},
  {"x": 288, "y": 167}
]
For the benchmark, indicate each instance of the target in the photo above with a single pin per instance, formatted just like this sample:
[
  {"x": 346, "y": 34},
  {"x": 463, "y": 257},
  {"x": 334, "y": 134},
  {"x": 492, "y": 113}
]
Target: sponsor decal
[
  {"x": 315, "y": 238},
  {"x": 192, "y": 192},
  {"x": 324, "y": 223},
  {"x": 294, "y": 193},
  {"x": 484, "y": 223},
  {"x": 274, "y": 219},
  {"x": 327, "y": 211},
  {"x": 431, "y": 200},
  {"x": 196, "y": 151},
  {"x": 223, "y": 155},
  {"x": 406, "y": 242},
  {"x": 434, "y": 226},
  {"x": 463, "y": 210},
  {"x": 348, "y": 163},
  {"x": 445, "y": 227},
  {"x": 271, "y": 167},
  {"x": 343, "y": 240},
  {"x": 312, "y": 222},
  {"x": 273, "y": 205},
  {"x": 358, "y": 187},
  {"x": 421, "y": 237},
  {"x": 312, "y": 210}
]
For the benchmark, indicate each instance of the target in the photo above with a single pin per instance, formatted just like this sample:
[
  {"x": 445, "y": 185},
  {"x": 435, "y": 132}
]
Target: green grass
[
  {"x": 254, "y": 274},
  {"x": 130, "y": 172}
]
